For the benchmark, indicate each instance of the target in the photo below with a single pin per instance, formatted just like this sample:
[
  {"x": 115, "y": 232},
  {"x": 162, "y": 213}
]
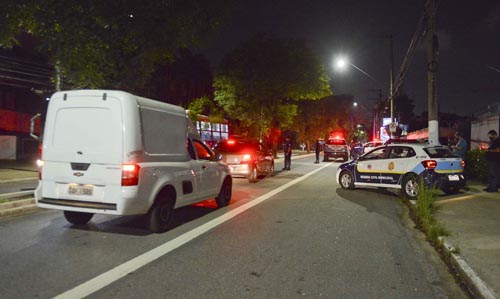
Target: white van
[{"x": 111, "y": 152}]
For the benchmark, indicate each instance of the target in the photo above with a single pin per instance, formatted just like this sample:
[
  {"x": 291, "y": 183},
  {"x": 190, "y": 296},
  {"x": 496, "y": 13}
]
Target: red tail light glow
[
  {"x": 429, "y": 164},
  {"x": 246, "y": 158},
  {"x": 130, "y": 174},
  {"x": 231, "y": 142}
]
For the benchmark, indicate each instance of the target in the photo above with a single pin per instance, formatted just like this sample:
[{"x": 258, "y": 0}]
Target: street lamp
[{"x": 341, "y": 64}]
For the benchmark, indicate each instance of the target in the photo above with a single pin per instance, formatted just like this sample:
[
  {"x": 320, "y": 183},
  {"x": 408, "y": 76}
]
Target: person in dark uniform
[
  {"x": 288, "y": 153},
  {"x": 318, "y": 150},
  {"x": 493, "y": 162}
]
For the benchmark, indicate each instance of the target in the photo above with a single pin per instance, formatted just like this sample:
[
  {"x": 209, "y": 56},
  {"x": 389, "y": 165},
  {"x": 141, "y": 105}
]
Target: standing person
[
  {"x": 288, "y": 153},
  {"x": 460, "y": 148},
  {"x": 318, "y": 149},
  {"x": 493, "y": 162}
]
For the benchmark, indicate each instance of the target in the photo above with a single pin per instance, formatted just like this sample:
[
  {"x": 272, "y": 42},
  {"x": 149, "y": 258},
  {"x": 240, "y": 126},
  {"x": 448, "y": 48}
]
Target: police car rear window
[
  {"x": 336, "y": 142},
  {"x": 439, "y": 152}
]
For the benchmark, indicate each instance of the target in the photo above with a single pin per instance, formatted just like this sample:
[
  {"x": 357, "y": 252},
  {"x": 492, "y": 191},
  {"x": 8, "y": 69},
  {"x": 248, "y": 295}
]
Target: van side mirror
[{"x": 32, "y": 127}]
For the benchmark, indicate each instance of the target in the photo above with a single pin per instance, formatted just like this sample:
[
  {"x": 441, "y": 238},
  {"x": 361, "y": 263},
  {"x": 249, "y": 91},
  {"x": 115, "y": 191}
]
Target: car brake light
[
  {"x": 429, "y": 164},
  {"x": 462, "y": 163},
  {"x": 130, "y": 174},
  {"x": 246, "y": 158},
  {"x": 231, "y": 142}
]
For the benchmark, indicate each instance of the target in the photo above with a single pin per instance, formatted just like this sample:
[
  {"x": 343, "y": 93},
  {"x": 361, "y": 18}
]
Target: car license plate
[
  {"x": 453, "y": 177},
  {"x": 75, "y": 189}
]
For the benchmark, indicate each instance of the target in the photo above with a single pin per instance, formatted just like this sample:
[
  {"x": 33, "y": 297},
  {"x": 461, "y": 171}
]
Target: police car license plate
[
  {"x": 453, "y": 177},
  {"x": 75, "y": 189}
]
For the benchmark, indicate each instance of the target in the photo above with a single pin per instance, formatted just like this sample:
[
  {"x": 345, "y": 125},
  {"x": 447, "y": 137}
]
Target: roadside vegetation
[{"x": 423, "y": 215}]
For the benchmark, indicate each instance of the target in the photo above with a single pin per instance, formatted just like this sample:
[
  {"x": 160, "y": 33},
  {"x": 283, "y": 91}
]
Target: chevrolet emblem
[{"x": 78, "y": 174}]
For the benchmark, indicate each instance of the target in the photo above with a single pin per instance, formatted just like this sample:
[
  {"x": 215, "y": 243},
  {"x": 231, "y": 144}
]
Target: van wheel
[
  {"x": 78, "y": 218},
  {"x": 253, "y": 176},
  {"x": 225, "y": 192},
  {"x": 410, "y": 187},
  {"x": 161, "y": 212}
]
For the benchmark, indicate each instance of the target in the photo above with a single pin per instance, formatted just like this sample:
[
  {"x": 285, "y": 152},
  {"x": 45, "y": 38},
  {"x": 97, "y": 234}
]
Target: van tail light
[
  {"x": 130, "y": 174},
  {"x": 429, "y": 164},
  {"x": 39, "y": 164},
  {"x": 462, "y": 163}
]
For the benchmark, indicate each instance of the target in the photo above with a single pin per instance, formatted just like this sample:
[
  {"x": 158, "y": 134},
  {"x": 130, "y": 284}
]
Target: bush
[{"x": 476, "y": 164}]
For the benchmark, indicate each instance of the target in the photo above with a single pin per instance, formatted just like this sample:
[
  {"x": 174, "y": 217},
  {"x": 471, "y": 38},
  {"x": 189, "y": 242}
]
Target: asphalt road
[{"x": 294, "y": 235}]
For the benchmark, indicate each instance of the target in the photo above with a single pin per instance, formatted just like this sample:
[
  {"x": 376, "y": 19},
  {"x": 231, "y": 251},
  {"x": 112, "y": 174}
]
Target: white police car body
[{"x": 402, "y": 166}]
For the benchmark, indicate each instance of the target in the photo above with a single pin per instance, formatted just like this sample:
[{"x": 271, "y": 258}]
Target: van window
[
  {"x": 202, "y": 151},
  {"x": 162, "y": 132},
  {"x": 87, "y": 128}
]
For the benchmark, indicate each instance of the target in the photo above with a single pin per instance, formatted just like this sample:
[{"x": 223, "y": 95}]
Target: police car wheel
[
  {"x": 77, "y": 218},
  {"x": 346, "y": 180},
  {"x": 410, "y": 187},
  {"x": 450, "y": 190}
]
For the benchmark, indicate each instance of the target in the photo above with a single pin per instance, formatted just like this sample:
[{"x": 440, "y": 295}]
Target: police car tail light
[
  {"x": 130, "y": 174},
  {"x": 429, "y": 164},
  {"x": 462, "y": 163}
]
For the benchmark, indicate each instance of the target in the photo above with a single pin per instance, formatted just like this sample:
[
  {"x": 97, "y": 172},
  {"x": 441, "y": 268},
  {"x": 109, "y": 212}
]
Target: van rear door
[{"x": 82, "y": 146}]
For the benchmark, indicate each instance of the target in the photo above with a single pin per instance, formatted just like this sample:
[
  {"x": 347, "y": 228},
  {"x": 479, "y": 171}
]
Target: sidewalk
[
  {"x": 473, "y": 220},
  {"x": 13, "y": 170}
]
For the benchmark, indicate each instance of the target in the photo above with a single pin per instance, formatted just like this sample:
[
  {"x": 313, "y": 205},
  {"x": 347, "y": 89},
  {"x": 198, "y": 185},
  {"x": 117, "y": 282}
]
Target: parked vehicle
[
  {"x": 371, "y": 145},
  {"x": 111, "y": 152},
  {"x": 335, "y": 148},
  {"x": 405, "y": 166},
  {"x": 246, "y": 158}
]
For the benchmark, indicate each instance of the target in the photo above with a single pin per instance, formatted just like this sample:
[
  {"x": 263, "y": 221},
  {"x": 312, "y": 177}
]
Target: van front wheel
[
  {"x": 78, "y": 218},
  {"x": 160, "y": 214}
]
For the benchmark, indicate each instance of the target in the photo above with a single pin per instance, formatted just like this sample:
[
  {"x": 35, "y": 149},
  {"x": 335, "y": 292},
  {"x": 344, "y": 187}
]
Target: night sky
[{"x": 469, "y": 39}]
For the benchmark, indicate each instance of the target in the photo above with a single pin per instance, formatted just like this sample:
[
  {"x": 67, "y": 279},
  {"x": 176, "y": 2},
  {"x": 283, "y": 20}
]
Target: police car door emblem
[{"x": 391, "y": 166}]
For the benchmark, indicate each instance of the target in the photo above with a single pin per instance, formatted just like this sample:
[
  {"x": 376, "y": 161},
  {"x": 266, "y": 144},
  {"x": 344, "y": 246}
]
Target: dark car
[{"x": 246, "y": 158}]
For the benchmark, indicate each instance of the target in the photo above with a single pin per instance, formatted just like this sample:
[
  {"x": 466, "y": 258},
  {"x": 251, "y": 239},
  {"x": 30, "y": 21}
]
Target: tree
[
  {"x": 110, "y": 44},
  {"x": 264, "y": 79}
]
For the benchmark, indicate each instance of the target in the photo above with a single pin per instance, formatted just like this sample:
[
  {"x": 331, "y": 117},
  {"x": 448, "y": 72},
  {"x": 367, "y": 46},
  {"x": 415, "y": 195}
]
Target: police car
[{"x": 404, "y": 166}]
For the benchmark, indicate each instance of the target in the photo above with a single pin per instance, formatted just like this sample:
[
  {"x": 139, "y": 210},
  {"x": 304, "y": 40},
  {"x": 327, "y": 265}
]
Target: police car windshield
[
  {"x": 439, "y": 152},
  {"x": 336, "y": 142}
]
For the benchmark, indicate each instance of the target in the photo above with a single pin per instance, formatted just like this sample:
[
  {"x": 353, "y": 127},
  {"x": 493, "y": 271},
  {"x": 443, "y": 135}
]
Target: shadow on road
[
  {"x": 136, "y": 225},
  {"x": 381, "y": 201}
]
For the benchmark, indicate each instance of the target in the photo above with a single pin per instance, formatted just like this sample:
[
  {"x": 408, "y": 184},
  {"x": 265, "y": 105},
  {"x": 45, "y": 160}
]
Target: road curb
[
  {"x": 476, "y": 286},
  {"x": 17, "y": 207}
]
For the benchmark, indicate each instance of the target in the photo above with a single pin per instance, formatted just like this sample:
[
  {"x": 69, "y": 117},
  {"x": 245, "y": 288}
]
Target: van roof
[{"x": 123, "y": 94}]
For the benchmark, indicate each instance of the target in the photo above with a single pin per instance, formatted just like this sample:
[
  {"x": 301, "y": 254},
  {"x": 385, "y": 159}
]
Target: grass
[{"x": 423, "y": 213}]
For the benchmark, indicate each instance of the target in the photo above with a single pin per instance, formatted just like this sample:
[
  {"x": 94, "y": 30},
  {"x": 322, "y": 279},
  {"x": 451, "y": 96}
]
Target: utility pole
[{"x": 432, "y": 67}]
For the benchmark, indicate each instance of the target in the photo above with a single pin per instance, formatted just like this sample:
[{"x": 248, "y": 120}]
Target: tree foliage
[
  {"x": 262, "y": 81},
  {"x": 110, "y": 44}
]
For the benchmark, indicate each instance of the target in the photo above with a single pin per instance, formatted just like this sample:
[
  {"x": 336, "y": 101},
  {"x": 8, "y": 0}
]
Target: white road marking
[
  {"x": 106, "y": 278},
  {"x": 19, "y": 180}
]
